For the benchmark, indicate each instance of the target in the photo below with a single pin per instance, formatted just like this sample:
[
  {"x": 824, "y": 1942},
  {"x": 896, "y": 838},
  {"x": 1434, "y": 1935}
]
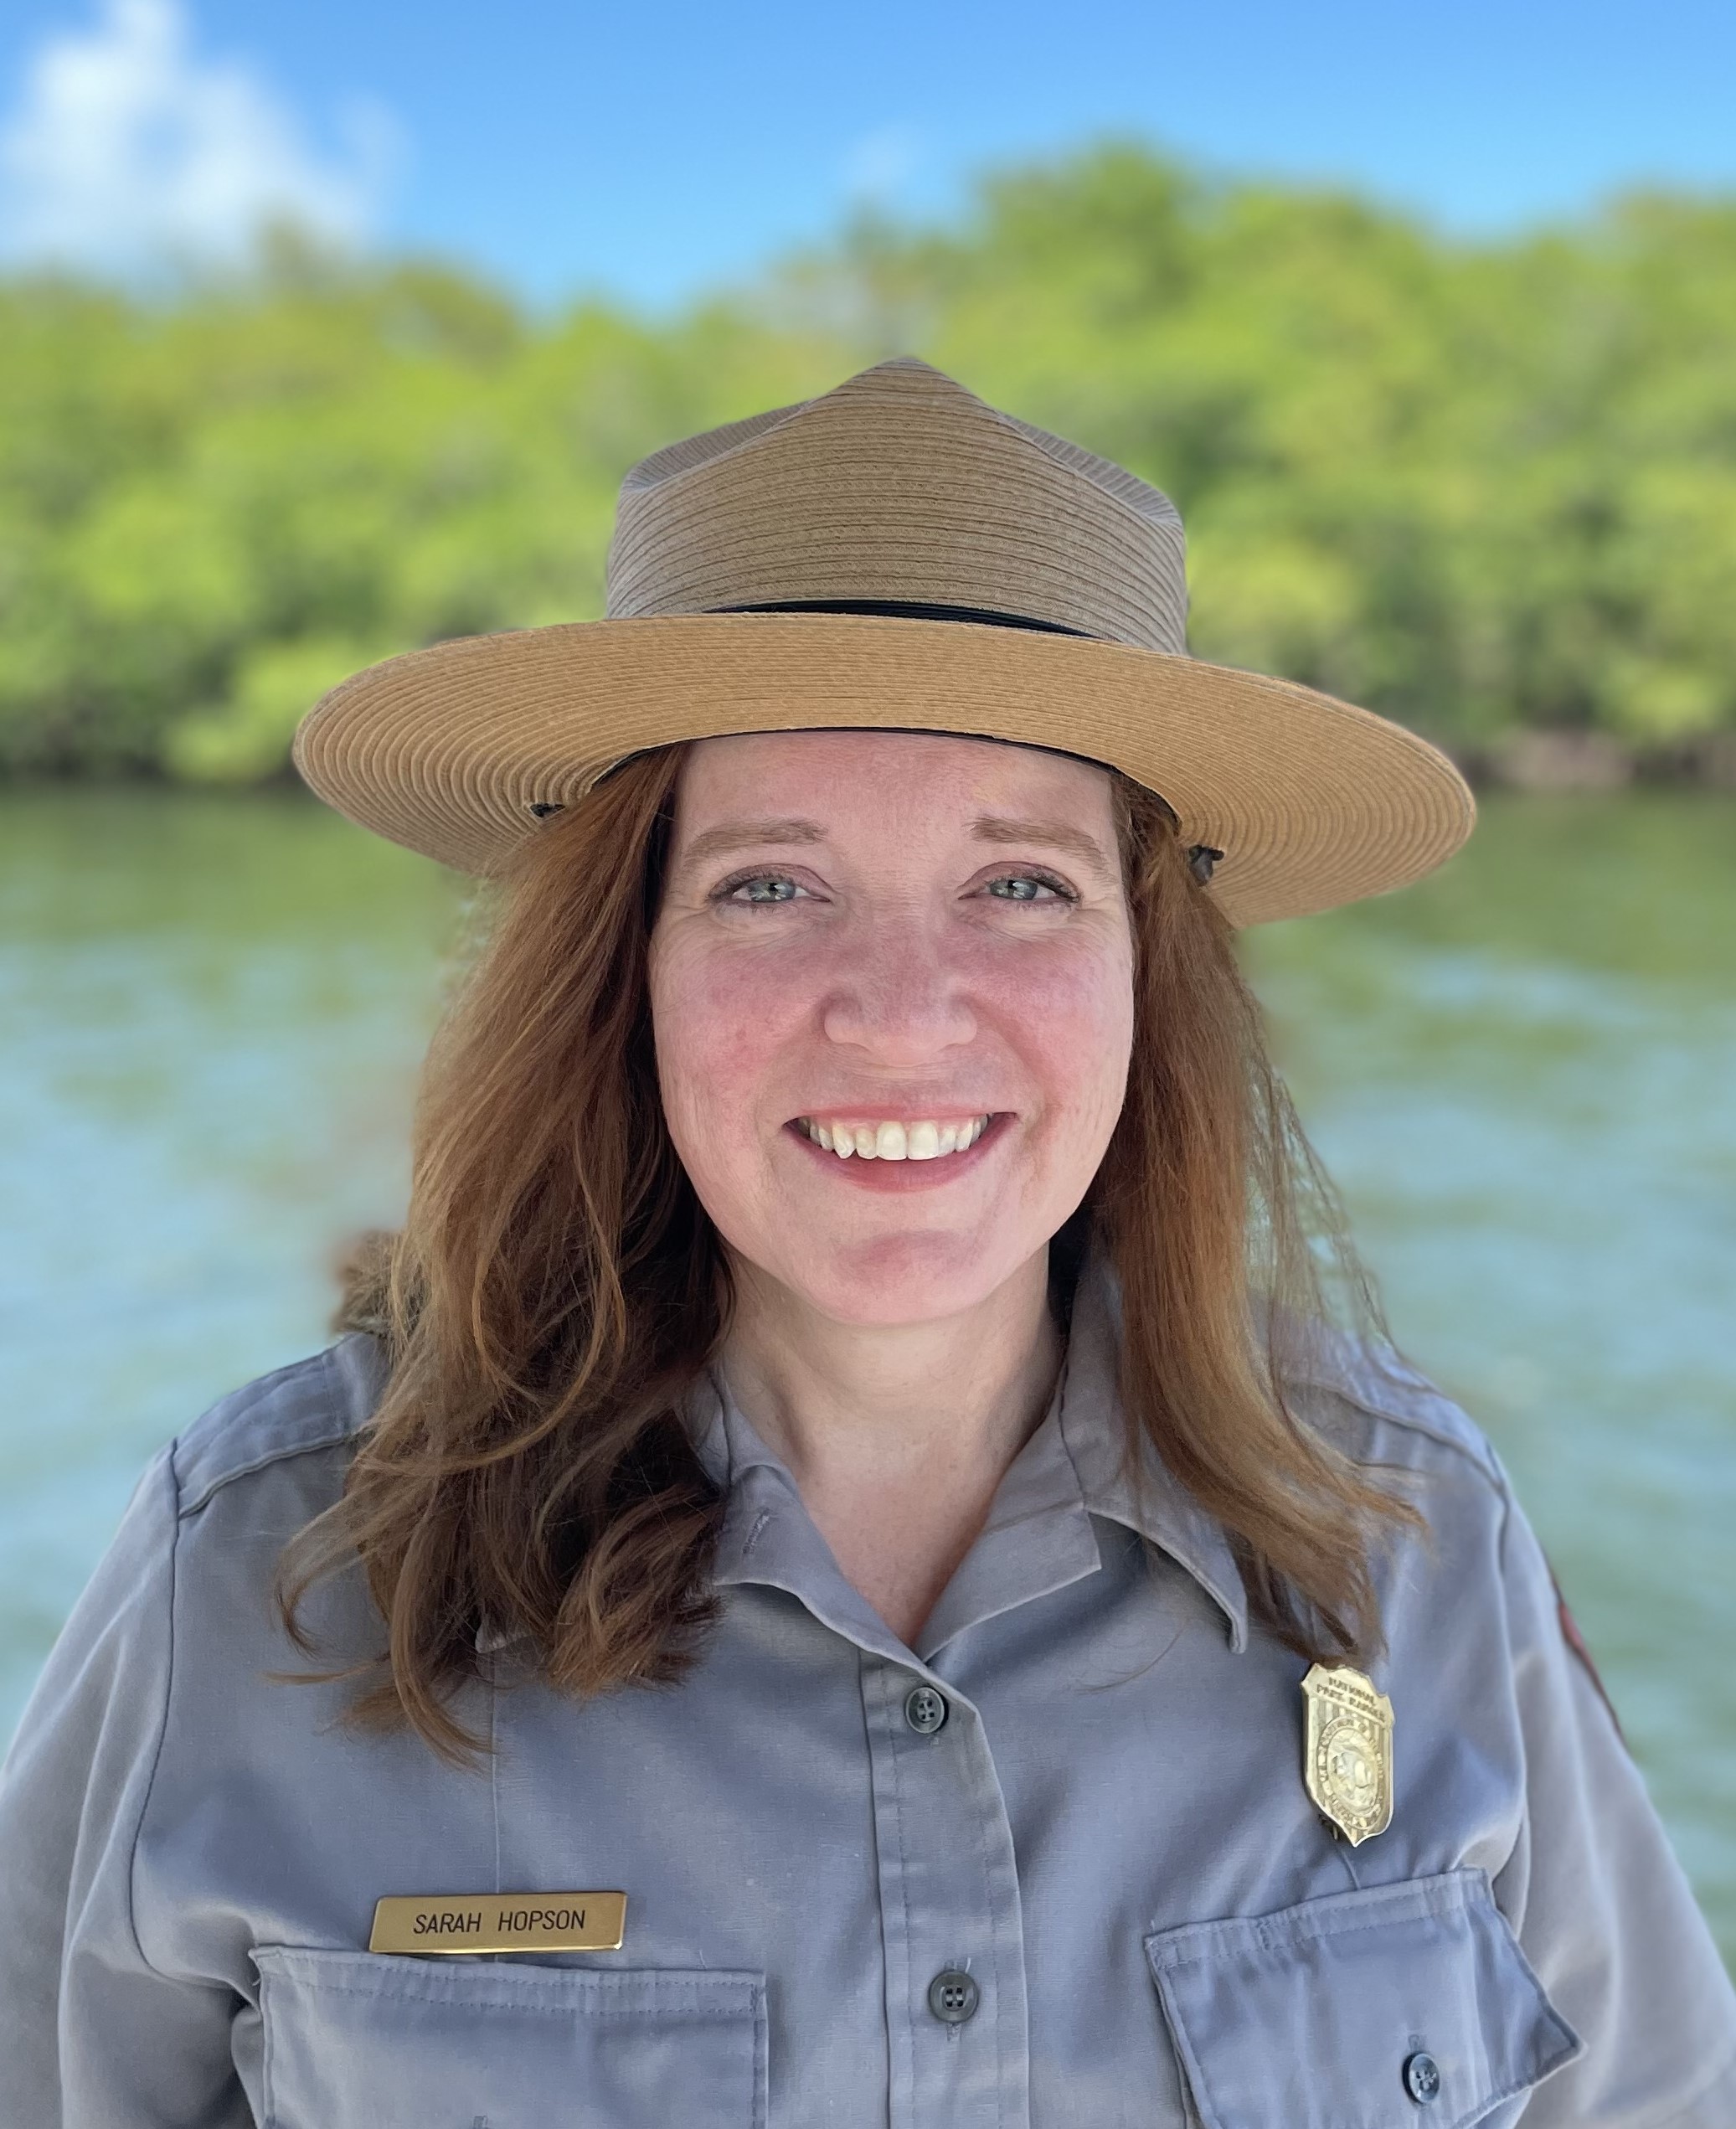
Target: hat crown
[
  {"x": 899, "y": 484},
  {"x": 900, "y": 492}
]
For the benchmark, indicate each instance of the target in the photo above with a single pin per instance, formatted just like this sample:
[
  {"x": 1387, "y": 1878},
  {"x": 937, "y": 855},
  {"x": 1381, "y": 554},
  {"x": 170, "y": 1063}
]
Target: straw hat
[{"x": 894, "y": 553}]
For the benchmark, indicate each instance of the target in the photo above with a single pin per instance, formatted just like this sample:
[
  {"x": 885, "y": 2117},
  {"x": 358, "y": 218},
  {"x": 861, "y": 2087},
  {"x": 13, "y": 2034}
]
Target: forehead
[{"x": 855, "y": 777}]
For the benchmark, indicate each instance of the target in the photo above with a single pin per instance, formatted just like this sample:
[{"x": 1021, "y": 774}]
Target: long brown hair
[{"x": 557, "y": 1287}]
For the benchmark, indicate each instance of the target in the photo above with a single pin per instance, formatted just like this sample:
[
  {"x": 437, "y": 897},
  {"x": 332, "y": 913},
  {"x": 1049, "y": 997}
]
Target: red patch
[{"x": 1576, "y": 1641}]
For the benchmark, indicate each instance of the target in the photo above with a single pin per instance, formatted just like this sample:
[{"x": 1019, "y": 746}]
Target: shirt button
[
  {"x": 953, "y": 1997},
  {"x": 924, "y": 1709},
  {"x": 1422, "y": 2078}
]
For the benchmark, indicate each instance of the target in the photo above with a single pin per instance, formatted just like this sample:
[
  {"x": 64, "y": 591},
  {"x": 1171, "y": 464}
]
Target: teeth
[{"x": 895, "y": 1140}]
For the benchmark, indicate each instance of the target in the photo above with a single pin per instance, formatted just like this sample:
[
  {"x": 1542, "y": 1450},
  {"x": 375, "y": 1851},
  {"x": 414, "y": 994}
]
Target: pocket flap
[
  {"x": 369, "y": 2040},
  {"x": 1316, "y": 2018}
]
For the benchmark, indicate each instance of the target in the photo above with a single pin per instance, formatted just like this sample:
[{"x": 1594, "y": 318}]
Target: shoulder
[
  {"x": 286, "y": 1418},
  {"x": 1477, "y": 1559},
  {"x": 249, "y": 1474},
  {"x": 1378, "y": 1407},
  {"x": 188, "y": 1574},
  {"x": 1366, "y": 1399}
]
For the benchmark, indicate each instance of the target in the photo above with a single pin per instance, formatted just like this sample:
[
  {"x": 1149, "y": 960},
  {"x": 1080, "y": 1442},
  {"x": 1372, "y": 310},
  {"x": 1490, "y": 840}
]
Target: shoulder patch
[
  {"x": 312, "y": 1404},
  {"x": 1576, "y": 1641}
]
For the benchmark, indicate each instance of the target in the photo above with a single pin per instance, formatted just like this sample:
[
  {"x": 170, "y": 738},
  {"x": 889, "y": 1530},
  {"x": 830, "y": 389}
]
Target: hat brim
[{"x": 1313, "y": 802}]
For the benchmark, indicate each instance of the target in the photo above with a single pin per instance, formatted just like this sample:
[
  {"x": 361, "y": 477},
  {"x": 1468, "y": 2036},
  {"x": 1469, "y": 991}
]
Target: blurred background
[{"x": 329, "y": 331}]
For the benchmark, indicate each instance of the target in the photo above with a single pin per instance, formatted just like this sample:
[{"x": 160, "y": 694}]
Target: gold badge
[
  {"x": 454, "y": 1923},
  {"x": 1347, "y": 1759}
]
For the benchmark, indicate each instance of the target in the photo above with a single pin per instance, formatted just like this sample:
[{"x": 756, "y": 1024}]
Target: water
[
  {"x": 1520, "y": 1071},
  {"x": 1523, "y": 1074}
]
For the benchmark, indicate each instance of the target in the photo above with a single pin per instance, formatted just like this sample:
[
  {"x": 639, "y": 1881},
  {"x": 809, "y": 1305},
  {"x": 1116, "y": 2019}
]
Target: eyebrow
[
  {"x": 987, "y": 827},
  {"x": 996, "y": 827},
  {"x": 749, "y": 835}
]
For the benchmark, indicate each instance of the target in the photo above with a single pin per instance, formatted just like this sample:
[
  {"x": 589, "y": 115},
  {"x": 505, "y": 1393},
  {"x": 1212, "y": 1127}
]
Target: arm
[
  {"x": 91, "y": 2035},
  {"x": 1600, "y": 1904}
]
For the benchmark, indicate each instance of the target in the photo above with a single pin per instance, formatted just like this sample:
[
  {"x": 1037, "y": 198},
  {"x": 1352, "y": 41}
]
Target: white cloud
[{"x": 127, "y": 149}]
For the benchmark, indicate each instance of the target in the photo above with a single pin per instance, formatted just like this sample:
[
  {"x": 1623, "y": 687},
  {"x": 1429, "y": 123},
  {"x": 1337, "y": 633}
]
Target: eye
[
  {"x": 758, "y": 890},
  {"x": 1029, "y": 887}
]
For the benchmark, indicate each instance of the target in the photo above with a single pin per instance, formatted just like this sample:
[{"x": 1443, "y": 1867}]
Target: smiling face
[{"x": 881, "y": 944}]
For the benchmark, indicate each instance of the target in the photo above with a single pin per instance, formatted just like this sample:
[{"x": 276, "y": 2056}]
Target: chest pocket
[
  {"x": 1402, "y": 2006},
  {"x": 364, "y": 2040}
]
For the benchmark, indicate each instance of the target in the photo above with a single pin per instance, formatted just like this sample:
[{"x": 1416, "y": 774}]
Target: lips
[
  {"x": 923, "y": 1138},
  {"x": 884, "y": 1174}
]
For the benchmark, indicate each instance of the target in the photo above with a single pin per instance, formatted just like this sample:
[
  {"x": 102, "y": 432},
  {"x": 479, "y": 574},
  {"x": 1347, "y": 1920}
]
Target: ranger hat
[{"x": 897, "y": 554}]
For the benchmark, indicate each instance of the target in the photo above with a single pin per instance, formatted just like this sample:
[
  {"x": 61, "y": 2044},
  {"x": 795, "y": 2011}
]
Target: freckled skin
[{"x": 888, "y": 981}]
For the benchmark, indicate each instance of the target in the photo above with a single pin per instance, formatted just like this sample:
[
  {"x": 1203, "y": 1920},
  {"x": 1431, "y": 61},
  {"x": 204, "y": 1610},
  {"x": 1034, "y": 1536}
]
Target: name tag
[{"x": 460, "y": 1922}]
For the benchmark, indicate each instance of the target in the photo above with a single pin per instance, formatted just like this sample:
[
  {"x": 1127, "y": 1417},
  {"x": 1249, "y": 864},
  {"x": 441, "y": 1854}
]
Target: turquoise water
[{"x": 1520, "y": 1073}]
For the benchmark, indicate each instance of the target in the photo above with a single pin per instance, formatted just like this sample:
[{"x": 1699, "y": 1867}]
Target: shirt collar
[
  {"x": 768, "y": 1536},
  {"x": 1142, "y": 1495},
  {"x": 1038, "y": 1537}
]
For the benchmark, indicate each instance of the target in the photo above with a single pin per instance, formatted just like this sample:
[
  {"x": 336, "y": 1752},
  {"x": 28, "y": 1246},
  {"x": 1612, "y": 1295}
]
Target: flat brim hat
[{"x": 894, "y": 554}]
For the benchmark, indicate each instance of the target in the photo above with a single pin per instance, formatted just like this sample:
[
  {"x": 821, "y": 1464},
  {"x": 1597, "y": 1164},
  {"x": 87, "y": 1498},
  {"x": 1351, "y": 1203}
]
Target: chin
[{"x": 894, "y": 1282}]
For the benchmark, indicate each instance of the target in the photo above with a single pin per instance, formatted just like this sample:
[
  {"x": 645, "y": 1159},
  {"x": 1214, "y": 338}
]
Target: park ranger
[{"x": 848, "y": 1566}]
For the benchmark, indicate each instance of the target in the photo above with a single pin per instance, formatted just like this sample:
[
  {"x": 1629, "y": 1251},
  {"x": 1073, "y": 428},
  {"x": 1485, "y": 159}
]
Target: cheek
[
  {"x": 719, "y": 1022},
  {"x": 1072, "y": 1022},
  {"x": 721, "y": 1029}
]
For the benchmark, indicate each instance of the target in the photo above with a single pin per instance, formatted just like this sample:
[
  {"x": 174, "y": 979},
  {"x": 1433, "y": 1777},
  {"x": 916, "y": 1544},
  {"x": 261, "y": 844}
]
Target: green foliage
[{"x": 1474, "y": 487}]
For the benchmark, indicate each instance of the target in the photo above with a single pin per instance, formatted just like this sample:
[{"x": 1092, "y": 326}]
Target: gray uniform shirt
[{"x": 1108, "y": 1833}]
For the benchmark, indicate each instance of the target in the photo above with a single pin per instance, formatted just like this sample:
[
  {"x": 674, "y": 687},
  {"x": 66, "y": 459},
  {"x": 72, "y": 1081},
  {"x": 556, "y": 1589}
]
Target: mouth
[{"x": 894, "y": 1138}]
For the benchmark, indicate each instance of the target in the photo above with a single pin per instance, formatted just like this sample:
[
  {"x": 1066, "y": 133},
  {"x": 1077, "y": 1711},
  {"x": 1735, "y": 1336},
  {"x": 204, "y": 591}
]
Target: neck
[{"x": 896, "y": 1435}]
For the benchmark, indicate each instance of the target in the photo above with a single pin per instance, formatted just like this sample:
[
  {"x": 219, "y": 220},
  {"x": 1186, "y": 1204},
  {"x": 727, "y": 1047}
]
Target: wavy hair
[{"x": 557, "y": 1288}]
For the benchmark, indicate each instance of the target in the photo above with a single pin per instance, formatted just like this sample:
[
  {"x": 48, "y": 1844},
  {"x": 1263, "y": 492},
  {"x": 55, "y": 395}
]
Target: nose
[{"x": 897, "y": 997}]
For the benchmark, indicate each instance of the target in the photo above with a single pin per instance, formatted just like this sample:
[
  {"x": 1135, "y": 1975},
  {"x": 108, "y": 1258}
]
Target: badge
[
  {"x": 449, "y": 1923},
  {"x": 1347, "y": 1757}
]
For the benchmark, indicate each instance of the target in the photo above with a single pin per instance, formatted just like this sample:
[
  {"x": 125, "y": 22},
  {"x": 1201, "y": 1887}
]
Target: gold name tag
[{"x": 459, "y": 1922}]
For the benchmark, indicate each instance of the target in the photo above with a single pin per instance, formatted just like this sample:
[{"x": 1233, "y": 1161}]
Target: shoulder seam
[
  {"x": 1480, "y": 1459},
  {"x": 341, "y": 1429}
]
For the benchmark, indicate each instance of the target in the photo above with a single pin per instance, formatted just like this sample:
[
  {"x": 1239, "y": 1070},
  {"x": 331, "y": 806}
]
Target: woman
[{"x": 843, "y": 1572}]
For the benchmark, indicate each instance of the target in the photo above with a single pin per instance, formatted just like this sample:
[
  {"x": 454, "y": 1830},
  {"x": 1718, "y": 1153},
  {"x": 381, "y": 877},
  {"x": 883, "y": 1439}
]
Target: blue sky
[{"x": 651, "y": 152}]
